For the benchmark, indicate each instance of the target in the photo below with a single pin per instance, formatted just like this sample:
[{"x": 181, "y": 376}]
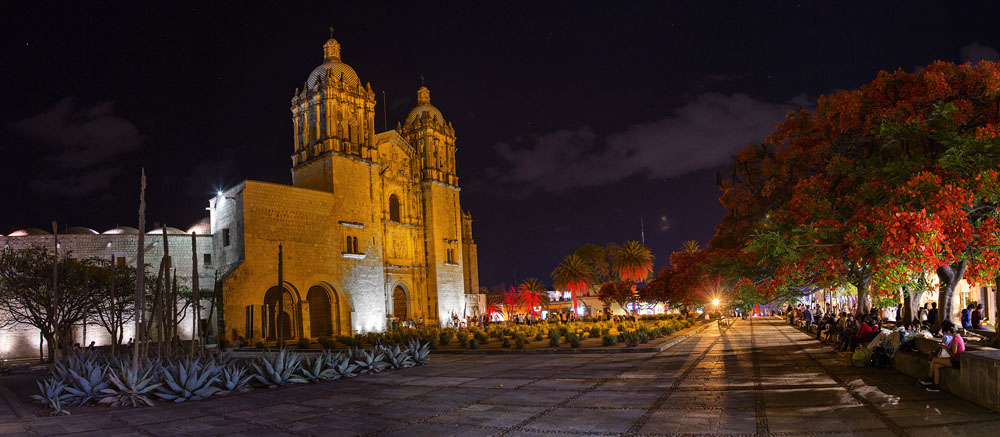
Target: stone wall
[{"x": 22, "y": 341}]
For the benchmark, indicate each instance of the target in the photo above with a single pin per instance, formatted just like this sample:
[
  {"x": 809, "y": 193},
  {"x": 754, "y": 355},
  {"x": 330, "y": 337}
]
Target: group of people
[
  {"x": 841, "y": 328},
  {"x": 973, "y": 317}
]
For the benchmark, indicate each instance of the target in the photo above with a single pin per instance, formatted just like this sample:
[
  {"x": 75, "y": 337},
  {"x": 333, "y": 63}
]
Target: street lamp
[{"x": 715, "y": 302}]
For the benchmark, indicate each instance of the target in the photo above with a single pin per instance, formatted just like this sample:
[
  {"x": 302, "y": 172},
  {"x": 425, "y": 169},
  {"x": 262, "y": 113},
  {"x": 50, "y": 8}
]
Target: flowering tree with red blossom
[{"x": 876, "y": 187}]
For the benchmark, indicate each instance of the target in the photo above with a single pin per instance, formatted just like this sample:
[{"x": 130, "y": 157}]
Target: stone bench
[{"x": 978, "y": 380}]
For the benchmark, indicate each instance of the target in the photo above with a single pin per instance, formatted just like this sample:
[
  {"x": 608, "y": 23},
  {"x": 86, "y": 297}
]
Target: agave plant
[
  {"x": 278, "y": 369},
  {"x": 344, "y": 367},
  {"x": 89, "y": 386},
  {"x": 370, "y": 361},
  {"x": 396, "y": 358},
  {"x": 132, "y": 386},
  {"x": 234, "y": 379},
  {"x": 319, "y": 368},
  {"x": 53, "y": 394},
  {"x": 189, "y": 380},
  {"x": 419, "y": 353}
]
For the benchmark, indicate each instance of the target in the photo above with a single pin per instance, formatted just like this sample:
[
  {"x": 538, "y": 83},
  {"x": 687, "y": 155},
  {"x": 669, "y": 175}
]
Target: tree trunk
[
  {"x": 195, "y": 338},
  {"x": 912, "y": 307},
  {"x": 140, "y": 274},
  {"x": 995, "y": 341},
  {"x": 52, "y": 318},
  {"x": 863, "y": 304},
  {"x": 50, "y": 338},
  {"x": 949, "y": 277}
]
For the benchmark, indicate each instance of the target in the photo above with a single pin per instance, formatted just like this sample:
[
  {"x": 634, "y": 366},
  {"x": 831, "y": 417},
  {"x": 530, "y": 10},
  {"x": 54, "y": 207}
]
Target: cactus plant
[
  {"x": 189, "y": 380},
  {"x": 132, "y": 386},
  {"x": 274, "y": 370},
  {"x": 53, "y": 394}
]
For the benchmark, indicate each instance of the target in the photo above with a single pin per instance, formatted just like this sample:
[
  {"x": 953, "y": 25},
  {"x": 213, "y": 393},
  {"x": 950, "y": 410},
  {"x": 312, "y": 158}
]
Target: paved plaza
[{"x": 761, "y": 377}]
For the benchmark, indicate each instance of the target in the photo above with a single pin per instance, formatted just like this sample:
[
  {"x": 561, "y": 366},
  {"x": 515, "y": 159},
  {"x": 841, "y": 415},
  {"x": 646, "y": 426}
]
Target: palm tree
[
  {"x": 633, "y": 262},
  {"x": 532, "y": 293},
  {"x": 573, "y": 273},
  {"x": 690, "y": 246}
]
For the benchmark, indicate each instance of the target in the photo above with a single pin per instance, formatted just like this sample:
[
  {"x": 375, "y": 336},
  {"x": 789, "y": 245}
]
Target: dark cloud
[
  {"x": 976, "y": 52},
  {"x": 79, "y": 145},
  {"x": 702, "y": 134}
]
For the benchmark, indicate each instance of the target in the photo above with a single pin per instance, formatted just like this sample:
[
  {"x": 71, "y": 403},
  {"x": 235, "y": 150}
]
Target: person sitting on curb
[
  {"x": 967, "y": 316},
  {"x": 978, "y": 318},
  {"x": 948, "y": 354}
]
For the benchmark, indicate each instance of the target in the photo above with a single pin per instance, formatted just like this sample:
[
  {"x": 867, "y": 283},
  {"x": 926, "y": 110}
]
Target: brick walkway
[{"x": 762, "y": 378}]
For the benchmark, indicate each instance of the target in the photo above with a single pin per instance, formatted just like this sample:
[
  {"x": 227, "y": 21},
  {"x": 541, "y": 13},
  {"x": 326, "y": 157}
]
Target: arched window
[
  {"x": 394, "y": 208},
  {"x": 355, "y": 239},
  {"x": 350, "y": 247}
]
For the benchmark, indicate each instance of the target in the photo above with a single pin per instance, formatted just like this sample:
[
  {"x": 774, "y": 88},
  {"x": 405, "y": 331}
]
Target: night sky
[{"x": 574, "y": 120}]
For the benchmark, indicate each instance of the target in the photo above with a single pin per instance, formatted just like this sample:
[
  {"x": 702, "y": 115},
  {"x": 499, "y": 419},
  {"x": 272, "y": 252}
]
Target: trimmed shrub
[
  {"x": 553, "y": 337},
  {"x": 573, "y": 339},
  {"x": 473, "y": 344},
  {"x": 608, "y": 340},
  {"x": 327, "y": 343},
  {"x": 446, "y": 337},
  {"x": 595, "y": 331},
  {"x": 506, "y": 341}
]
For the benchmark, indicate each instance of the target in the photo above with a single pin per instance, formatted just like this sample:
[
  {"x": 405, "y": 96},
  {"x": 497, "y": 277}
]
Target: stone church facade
[{"x": 371, "y": 230}]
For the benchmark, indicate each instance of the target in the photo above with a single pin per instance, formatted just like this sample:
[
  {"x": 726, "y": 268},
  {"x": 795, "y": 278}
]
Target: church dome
[
  {"x": 333, "y": 67},
  {"x": 424, "y": 108}
]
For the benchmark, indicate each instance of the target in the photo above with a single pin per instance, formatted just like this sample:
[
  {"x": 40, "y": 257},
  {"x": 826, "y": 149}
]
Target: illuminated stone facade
[{"x": 371, "y": 228}]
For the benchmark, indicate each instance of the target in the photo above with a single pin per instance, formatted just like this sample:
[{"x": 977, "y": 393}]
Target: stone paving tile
[
  {"x": 507, "y": 383},
  {"x": 12, "y": 428},
  {"x": 533, "y": 397},
  {"x": 276, "y": 413},
  {"x": 808, "y": 397},
  {"x": 340, "y": 423},
  {"x": 581, "y": 420},
  {"x": 166, "y": 413},
  {"x": 822, "y": 419},
  {"x": 699, "y": 422},
  {"x": 613, "y": 399},
  {"x": 437, "y": 430},
  {"x": 440, "y": 381},
  {"x": 487, "y": 415},
  {"x": 574, "y": 384},
  {"x": 207, "y": 425},
  {"x": 711, "y": 399},
  {"x": 411, "y": 410},
  {"x": 935, "y": 412},
  {"x": 351, "y": 401},
  {"x": 59, "y": 425},
  {"x": 460, "y": 395},
  {"x": 957, "y": 430},
  {"x": 637, "y": 385}
]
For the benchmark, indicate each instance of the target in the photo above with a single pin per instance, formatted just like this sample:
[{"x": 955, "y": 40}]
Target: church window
[
  {"x": 300, "y": 128},
  {"x": 451, "y": 255},
  {"x": 352, "y": 245},
  {"x": 355, "y": 241},
  {"x": 322, "y": 120},
  {"x": 313, "y": 131},
  {"x": 394, "y": 208},
  {"x": 120, "y": 261},
  {"x": 225, "y": 237},
  {"x": 207, "y": 259}
]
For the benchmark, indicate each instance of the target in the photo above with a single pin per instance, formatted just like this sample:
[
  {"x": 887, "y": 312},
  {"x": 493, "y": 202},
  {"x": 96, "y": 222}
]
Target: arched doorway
[
  {"x": 320, "y": 312},
  {"x": 399, "y": 303},
  {"x": 283, "y": 322}
]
